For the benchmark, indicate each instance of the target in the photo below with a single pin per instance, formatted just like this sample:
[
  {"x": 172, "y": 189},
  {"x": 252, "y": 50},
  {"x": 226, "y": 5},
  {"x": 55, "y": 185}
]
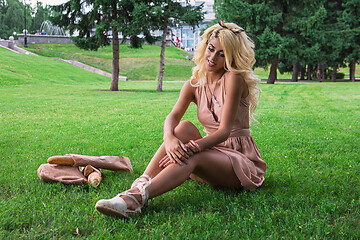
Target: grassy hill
[
  {"x": 136, "y": 64},
  {"x": 143, "y": 64},
  {"x": 307, "y": 133}
]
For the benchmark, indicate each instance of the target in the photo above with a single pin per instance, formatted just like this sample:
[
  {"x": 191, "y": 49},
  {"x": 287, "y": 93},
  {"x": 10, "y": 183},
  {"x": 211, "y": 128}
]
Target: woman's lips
[{"x": 211, "y": 63}]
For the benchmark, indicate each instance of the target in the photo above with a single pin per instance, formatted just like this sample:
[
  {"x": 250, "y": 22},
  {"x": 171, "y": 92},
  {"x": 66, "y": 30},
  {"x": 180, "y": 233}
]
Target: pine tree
[
  {"x": 263, "y": 21},
  {"x": 129, "y": 17},
  {"x": 126, "y": 17},
  {"x": 350, "y": 21}
]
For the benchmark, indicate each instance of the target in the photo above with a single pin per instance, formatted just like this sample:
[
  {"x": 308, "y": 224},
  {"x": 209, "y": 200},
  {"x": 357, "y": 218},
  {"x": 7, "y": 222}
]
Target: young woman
[{"x": 223, "y": 86}]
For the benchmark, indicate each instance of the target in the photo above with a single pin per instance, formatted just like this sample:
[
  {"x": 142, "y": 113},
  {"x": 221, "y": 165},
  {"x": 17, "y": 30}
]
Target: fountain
[{"x": 51, "y": 29}]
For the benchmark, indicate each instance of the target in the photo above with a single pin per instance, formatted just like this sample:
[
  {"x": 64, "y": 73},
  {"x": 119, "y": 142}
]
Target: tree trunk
[
  {"x": 295, "y": 73},
  {"x": 302, "y": 73},
  {"x": 333, "y": 74},
  {"x": 352, "y": 70},
  {"x": 273, "y": 70},
  {"x": 162, "y": 61},
  {"x": 323, "y": 73},
  {"x": 320, "y": 74},
  {"x": 309, "y": 69},
  {"x": 115, "y": 62}
]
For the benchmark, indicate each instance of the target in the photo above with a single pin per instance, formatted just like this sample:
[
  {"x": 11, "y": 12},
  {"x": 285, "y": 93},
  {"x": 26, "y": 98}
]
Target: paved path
[
  {"x": 16, "y": 49},
  {"x": 121, "y": 78},
  {"x": 91, "y": 69}
]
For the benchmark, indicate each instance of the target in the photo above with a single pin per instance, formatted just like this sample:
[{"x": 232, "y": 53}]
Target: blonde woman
[{"x": 224, "y": 88}]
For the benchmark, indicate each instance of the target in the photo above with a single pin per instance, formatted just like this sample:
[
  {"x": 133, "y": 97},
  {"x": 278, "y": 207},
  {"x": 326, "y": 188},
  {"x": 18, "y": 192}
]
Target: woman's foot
[{"x": 127, "y": 203}]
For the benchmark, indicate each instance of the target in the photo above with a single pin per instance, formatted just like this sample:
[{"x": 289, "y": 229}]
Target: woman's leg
[
  {"x": 212, "y": 166},
  {"x": 185, "y": 131}
]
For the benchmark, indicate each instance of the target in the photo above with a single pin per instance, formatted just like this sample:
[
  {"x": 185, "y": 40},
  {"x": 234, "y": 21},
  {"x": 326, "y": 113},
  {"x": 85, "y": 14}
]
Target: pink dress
[{"x": 240, "y": 147}]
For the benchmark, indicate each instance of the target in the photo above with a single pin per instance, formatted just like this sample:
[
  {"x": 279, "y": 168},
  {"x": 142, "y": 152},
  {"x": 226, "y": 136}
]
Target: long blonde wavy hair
[{"x": 239, "y": 58}]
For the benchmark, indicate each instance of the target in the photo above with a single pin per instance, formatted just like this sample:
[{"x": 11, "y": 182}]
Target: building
[{"x": 188, "y": 37}]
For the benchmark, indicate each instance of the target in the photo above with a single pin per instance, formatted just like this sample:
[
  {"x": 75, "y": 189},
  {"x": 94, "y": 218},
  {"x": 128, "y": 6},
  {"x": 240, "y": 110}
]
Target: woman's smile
[
  {"x": 214, "y": 56},
  {"x": 211, "y": 63}
]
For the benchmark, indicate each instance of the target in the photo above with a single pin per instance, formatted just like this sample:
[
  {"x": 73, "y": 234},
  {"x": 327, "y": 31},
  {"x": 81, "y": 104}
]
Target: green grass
[
  {"x": 135, "y": 64},
  {"x": 308, "y": 134},
  {"x": 143, "y": 64}
]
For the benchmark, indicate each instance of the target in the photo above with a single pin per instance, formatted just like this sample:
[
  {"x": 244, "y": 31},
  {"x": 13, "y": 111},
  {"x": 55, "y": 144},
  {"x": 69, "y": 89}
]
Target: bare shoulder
[
  {"x": 188, "y": 90},
  {"x": 237, "y": 82},
  {"x": 188, "y": 85}
]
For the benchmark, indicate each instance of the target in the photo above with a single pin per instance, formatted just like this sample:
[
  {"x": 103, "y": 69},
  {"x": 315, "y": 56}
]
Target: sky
[{"x": 45, "y": 2}]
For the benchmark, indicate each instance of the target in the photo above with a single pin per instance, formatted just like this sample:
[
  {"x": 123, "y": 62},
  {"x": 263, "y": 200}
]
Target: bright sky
[{"x": 45, "y": 2}]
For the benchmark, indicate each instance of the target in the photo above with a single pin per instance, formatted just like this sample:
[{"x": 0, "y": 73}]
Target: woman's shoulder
[
  {"x": 230, "y": 76},
  {"x": 189, "y": 87},
  {"x": 236, "y": 81},
  {"x": 194, "y": 82}
]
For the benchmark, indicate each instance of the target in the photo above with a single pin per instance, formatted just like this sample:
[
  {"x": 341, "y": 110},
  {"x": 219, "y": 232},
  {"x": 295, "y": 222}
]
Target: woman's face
[{"x": 214, "y": 56}]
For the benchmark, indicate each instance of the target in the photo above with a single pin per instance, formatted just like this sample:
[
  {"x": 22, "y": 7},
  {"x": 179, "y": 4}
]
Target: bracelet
[{"x": 195, "y": 144}]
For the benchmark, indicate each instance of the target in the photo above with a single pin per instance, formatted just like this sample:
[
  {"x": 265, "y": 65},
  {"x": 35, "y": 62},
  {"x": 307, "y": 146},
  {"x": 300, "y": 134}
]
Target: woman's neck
[{"x": 214, "y": 76}]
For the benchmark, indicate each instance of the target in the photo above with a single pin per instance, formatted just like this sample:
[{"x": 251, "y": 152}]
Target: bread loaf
[
  {"x": 61, "y": 160},
  {"x": 94, "y": 179}
]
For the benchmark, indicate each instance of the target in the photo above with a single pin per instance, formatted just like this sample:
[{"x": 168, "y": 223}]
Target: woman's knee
[{"x": 186, "y": 131}]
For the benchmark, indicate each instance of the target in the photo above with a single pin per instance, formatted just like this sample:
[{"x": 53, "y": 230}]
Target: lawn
[
  {"x": 135, "y": 64},
  {"x": 307, "y": 133},
  {"x": 143, "y": 64}
]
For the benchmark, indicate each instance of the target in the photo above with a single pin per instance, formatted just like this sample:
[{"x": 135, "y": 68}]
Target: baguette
[
  {"x": 94, "y": 179},
  {"x": 61, "y": 160}
]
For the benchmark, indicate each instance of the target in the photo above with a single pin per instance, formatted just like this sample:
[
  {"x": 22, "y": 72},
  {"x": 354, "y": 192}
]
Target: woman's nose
[{"x": 213, "y": 56}]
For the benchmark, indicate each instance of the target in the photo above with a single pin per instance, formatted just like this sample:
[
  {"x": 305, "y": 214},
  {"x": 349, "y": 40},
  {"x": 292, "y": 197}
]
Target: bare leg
[
  {"x": 185, "y": 131},
  {"x": 212, "y": 166}
]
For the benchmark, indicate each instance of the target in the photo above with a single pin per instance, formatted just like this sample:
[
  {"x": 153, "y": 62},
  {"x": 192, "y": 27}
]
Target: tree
[
  {"x": 42, "y": 13},
  {"x": 167, "y": 14},
  {"x": 12, "y": 17},
  {"x": 351, "y": 25},
  {"x": 263, "y": 21},
  {"x": 105, "y": 15}
]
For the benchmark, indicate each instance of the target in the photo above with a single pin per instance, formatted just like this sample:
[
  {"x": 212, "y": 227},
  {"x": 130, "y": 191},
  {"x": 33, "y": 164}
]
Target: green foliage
[
  {"x": 308, "y": 32},
  {"x": 12, "y": 17},
  {"x": 261, "y": 20},
  {"x": 351, "y": 25},
  {"x": 42, "y": 13},
  {"x": 307, "y": 134}
]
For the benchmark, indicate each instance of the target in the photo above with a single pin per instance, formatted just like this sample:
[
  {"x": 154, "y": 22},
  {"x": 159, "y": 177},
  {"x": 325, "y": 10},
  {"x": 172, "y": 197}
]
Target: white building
[{"x": 188, "y": 36}]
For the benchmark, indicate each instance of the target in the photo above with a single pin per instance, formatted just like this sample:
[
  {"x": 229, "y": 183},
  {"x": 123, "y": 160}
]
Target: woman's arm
[
  {"x": 235, "y": 88},
  {"x": 173, "y": 146}
]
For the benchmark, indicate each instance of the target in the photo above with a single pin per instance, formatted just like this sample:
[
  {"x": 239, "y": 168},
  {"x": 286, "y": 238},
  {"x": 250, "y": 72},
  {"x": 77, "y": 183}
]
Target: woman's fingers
[
  {"x": 176, "y": 158},
  {"x": 163, "y": 160}
]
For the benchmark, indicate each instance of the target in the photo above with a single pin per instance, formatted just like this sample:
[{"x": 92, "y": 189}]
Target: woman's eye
[
  {"x": 211, "y": 49},
  {"x": 221, "y": 55}
]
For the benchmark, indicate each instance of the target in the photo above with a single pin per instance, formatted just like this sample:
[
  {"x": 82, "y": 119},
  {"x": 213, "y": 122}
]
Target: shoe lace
[{"x": 141, "y": 183}]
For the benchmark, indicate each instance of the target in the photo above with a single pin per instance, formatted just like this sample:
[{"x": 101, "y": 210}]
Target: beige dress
[{"x": 240, "y": 147}]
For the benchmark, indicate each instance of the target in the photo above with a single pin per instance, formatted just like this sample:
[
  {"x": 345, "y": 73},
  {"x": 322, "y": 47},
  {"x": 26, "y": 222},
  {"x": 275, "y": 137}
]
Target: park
[{"x": 307, "y": 132}]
